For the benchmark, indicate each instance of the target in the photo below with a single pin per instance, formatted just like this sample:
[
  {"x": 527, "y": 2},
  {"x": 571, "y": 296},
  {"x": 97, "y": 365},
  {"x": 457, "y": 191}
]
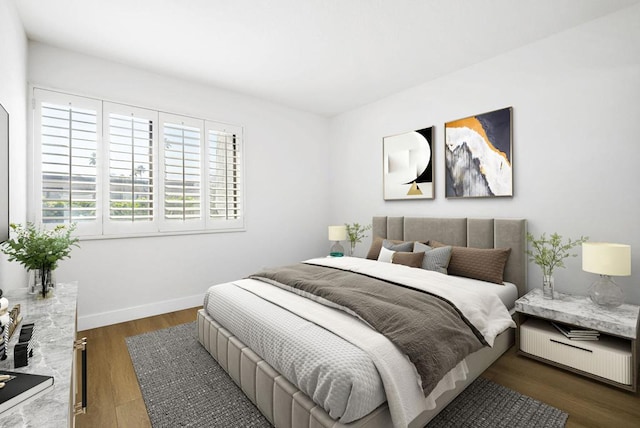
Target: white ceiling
[{"x": 322, "y": 56}]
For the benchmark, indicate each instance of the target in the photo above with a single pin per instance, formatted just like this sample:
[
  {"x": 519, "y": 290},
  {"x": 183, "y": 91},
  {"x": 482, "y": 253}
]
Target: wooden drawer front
[{"x": 609, "y": 357}]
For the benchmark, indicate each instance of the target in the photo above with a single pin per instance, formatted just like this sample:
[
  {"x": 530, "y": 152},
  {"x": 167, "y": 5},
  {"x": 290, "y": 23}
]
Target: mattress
[{"x": 345, "y": 394}]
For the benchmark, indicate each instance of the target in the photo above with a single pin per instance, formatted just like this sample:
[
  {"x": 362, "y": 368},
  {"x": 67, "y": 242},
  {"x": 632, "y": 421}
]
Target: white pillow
[{"x": 386, "y": 255}]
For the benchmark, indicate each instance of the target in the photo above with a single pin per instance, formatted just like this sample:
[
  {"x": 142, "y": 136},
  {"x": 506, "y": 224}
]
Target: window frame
[{"x": 106, "y": 228}]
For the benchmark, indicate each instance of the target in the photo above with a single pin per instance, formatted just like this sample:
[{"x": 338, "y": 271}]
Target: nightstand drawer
[{"x": 609, "y": 357}]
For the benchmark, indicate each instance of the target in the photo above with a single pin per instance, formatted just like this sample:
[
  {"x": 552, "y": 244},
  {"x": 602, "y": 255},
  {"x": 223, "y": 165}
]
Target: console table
[{"x": 53, "y": 355}]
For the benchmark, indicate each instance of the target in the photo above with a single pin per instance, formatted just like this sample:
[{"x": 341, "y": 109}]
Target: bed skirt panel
[{"x": 281, "y": 402}]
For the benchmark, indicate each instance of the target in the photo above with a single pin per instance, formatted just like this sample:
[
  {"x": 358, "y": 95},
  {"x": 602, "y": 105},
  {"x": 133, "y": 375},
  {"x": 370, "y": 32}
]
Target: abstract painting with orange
[{"x": 478, "y": 155}]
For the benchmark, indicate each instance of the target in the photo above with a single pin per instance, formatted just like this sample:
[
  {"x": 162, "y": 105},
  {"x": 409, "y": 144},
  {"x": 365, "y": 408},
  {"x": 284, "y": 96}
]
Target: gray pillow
[
  {"x": 404, "y": 247},
  {"x": 436, "y": 259}
]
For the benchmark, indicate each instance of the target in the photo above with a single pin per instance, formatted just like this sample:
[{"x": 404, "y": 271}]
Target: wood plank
[
  {"x": 122, "y": 376},
  {"x": 133, "y": 414},
  {"x": 101, "y": 409}
]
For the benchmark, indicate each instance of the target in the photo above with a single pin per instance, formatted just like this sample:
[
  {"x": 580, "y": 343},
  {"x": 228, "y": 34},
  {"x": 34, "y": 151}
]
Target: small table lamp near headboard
[
  {"x": 337, "y": 234},
  {"x": 606, "y": 259}
]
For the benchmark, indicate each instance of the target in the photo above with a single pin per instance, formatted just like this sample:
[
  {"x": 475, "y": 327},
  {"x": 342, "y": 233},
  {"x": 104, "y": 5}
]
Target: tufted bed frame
[{"x": 285, "y": 406}]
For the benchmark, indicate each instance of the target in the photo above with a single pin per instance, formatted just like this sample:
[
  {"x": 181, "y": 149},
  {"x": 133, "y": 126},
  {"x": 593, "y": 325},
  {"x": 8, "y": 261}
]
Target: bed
[{"x": 286, "y": 351}]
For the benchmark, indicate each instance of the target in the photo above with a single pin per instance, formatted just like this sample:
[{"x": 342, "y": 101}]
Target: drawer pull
[
  {"x": 81, "y": 345},
  {"x": 573, "y": 346}
]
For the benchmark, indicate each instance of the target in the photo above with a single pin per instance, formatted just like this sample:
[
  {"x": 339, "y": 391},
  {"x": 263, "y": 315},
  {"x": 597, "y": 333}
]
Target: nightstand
[{"x": 612, "y": 359}]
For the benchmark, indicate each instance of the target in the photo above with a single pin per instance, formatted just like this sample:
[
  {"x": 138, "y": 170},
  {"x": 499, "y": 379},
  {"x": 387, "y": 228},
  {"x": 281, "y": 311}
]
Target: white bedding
[
  {"x": 333, "y": 372},
  {"x": 507, "y": 292},
  {"x": 243, "y": 306}
]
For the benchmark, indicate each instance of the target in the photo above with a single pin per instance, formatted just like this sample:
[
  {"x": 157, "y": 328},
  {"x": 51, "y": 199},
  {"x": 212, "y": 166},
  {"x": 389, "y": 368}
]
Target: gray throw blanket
[{"x": 430, "y": 330}]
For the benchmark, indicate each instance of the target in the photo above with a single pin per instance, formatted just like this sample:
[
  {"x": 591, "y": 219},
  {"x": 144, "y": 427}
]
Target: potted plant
[
  {"x": 40, "y": 249},
  {"x": 549, "y": 254},
  {"x": 355, "y": 233}
]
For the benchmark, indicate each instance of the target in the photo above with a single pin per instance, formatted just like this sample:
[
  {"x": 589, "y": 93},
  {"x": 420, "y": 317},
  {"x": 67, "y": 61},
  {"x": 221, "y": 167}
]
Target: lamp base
[
  {"x": 605, "y": 292},
  {"x": 336, "y": 250}
]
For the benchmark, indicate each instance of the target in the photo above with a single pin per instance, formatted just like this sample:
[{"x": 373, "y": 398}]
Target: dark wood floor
[{"x": 115, "y": 399}]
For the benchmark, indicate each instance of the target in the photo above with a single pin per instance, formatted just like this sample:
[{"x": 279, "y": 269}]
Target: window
[
  {"x": 66, "y": 172},
  {"x": 225, "y": 186},
  {"x": 182, "y": 171},
  {"x": 121, "y": 170},
  {"x": 130, "y": 175}
]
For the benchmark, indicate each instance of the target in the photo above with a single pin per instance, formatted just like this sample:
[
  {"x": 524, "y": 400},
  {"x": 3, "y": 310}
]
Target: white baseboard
[{"x": 102, "y": 319}]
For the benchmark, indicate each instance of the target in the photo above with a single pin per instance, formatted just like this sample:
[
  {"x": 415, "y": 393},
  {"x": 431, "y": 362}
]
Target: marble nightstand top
[{"x": 582, "y": 312}]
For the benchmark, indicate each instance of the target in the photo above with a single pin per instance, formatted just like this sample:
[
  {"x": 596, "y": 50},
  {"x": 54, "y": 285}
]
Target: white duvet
[{"x": 385, "y": 373}]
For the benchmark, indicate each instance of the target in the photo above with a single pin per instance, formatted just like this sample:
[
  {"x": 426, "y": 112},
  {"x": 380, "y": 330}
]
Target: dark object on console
[
  {"x": 25, "y": 333},
  {"x": 23, "y": 349},
  {"x": 20, "y": 358}
]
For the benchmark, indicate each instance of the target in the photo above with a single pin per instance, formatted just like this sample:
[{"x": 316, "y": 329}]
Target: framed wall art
[
  {"x": 408, "y": 165},
  {"x": 478, "y": 153}
]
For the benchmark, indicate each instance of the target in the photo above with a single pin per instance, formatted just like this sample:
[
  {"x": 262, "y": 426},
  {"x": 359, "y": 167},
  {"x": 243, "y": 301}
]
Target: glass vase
[
  {"x": 41, "y": 281},
  {"x": 352, "y": 248},
  {"x": 547, "y": 286}
]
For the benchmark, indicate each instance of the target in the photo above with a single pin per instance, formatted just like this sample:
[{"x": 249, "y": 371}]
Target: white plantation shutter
[
  {"x": 119, "y": 170},
  {"x": 130, "y": 134},
  {"x": 182, "y": 172},
  {"x": 68, "y": 132},
  {"x": 225, "y": 190}
]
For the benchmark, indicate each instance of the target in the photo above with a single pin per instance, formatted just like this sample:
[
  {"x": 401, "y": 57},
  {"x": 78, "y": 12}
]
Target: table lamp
[
  {"x": 607, "y": 260},
  {"x": 337, "y": 234}
]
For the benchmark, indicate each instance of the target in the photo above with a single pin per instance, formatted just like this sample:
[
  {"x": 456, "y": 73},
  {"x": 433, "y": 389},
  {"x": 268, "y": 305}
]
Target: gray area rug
[
  {"x": 183, "y": 386},
  {"x": 485, "y": 404}
]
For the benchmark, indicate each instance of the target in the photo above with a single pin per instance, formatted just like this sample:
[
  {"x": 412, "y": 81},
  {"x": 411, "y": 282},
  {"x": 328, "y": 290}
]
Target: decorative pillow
[
  {"x": 408, "y": 259},
  {"x": 385, "y": 255},
  {"x": 436, "y": 259},
  {"x": 391, "y": 244},
  {"x": 405, "y": 247},
  {"x": 374, "y": 250},
  {"x": 477, "y": 263}
]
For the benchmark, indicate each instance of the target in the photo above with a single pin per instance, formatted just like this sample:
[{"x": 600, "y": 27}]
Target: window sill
[{"x": 159, "y": 234}]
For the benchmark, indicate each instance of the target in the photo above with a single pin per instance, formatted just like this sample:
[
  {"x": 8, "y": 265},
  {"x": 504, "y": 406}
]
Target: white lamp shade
[
  {"x": 337, "y": 233},
  {"x": 605, "y": 258}
]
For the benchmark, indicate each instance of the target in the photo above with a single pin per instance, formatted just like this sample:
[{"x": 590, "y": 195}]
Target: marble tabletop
[
  {"x": 582, "y": 312},
  {"x": 55, "y": 328}
]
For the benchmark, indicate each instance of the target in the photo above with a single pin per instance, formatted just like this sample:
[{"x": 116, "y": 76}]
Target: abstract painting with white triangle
[{"x": 408, "y": 165}]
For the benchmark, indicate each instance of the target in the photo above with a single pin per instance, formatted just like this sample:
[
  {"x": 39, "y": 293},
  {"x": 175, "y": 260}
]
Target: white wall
[
  {"x": 286, "y": 184},
  {"x": 576, "y": 115},
  {"x": 13, "y": 96}
]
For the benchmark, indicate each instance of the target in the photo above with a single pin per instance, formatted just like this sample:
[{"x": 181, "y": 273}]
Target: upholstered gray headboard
[{"x": 465, "y": 232}]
